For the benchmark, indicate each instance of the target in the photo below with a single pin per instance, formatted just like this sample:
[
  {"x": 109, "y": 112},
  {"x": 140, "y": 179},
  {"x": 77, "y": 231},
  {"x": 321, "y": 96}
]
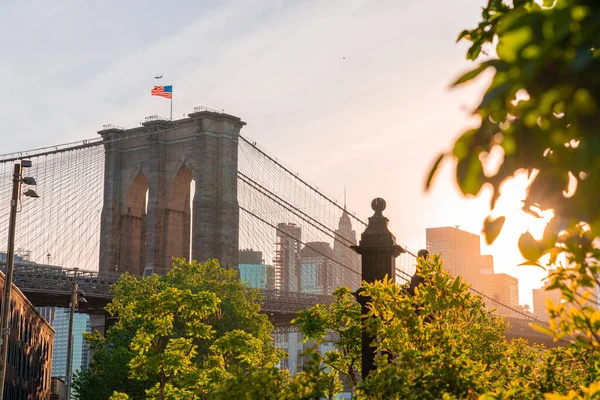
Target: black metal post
[
  {"x": 8, "y": 276},
  {"x": 379, "y": 250},
  {"x": 72, "y": 308}
]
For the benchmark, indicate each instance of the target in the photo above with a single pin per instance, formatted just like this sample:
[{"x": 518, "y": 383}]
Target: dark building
[
  {"x": 58, "y": 390},
  {"x": 30, "y": 344},
  {"x": 249, "y": 256},
  {"x": 287, "y": 258},
  {"x": 318, "y": 272}
]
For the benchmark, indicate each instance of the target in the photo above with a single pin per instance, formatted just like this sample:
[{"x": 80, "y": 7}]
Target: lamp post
[
  {"x": 76, "y": 297},
  {"x": 379, "y": 250},
  {"x": 18, "y": 179}
]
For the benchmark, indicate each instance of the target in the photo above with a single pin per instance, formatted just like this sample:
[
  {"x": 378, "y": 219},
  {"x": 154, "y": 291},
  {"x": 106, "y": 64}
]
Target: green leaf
[
  {"x": 512, "y": 42},
  {"x": 529, "y": 247},
  {"x": 469, "y": 174},
  {"x": 433, "y": 170},
  {"x": 474, "y": 51},
  {"x": 463, "y": 34},
  {"x": 492, "y": 228},
  {"x": 472, "y": 74},
  {"x": 463, "y": 144},
  {"x": 493, "y": 93}
]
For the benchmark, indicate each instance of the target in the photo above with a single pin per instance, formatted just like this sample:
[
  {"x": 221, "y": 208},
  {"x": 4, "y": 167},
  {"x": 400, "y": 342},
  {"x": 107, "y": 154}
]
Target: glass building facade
[
  {"x": 60, "y": 322},
  {"x": 254, "y": 274}
]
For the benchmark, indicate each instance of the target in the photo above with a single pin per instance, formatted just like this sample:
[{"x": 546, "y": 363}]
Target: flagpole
[{"x": 171, "y": 117}]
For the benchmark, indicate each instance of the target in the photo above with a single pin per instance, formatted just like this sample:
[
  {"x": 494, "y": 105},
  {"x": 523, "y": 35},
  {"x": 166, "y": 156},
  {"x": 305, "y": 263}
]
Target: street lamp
[
  {"x": 77, "y": 296},
  {"x": 18, "y": 179}
]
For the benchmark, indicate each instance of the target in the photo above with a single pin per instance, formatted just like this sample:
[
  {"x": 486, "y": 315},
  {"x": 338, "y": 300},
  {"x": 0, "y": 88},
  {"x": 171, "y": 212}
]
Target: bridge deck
[{"x": 46, "y": 285}]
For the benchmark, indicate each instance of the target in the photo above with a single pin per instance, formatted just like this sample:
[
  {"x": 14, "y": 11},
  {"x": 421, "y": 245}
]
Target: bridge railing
[
  {"x": 52, "y": 279},
  {"x": 111, "y": 126},
  {"x": 291, "y": 302},
  {"x": 202, "y": 108},
  {"x": 155, "y": 117}
]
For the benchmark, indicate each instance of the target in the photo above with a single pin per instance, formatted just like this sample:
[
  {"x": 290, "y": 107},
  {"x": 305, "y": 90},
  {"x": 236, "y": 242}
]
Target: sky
[{"x": 348, "y": 92}]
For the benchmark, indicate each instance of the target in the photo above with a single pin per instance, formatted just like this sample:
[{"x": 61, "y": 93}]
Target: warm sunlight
[{"x": 510, "y": 205}]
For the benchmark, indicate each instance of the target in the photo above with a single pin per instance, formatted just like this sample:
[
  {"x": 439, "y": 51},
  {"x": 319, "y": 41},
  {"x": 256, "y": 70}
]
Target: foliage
[
  {"x": 539, "y": 111},
  {"x": 439, "y": 342},
  {"x": 442, "y": 343},
  {"x": 534, "y": 372},
  {"x": 178, "y": 335},
  {"x": 339, "y": 323},
  {"x": 109, "y": 370},
  {"x": 540, "y": 116},
  {"x": 313, "y": 382}
]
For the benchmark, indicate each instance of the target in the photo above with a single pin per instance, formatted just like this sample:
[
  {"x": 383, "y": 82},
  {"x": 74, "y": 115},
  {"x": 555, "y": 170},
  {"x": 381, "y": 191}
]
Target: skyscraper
[
  {"x": 287, "y": 258},
  {"x": 539, "y": 300},
  {"x": 540, "y": 296},
  {"x": 486, "y": 264},
  {"x": 81, "y": 354},
  {"x": 502, "y": 288},
  {"x": 347, "y": 272},
  {"x": 317, "y": 268},
  {"x": 459, "y": 251}
]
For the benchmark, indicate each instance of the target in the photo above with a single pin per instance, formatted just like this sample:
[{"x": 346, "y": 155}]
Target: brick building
[{"x": 30, "y": 344}]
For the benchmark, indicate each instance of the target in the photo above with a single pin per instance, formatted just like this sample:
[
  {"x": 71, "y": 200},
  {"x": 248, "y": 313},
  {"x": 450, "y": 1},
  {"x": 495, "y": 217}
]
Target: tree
[
  {"x": 439, "y": 342},
  {"x": 337, "y": 323},
  {"x": 540, "y": 117},
  {"x": 178, "y": 335}
]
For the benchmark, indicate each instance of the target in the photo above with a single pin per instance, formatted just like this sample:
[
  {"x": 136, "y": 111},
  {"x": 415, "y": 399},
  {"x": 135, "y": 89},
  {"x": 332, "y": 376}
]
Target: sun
[{"x": 510, "y": 205}]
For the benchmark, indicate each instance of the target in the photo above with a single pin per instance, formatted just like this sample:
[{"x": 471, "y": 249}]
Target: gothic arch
[
  {"x": 133, "y": 227},
  {"x": 178, "y": 217},
  {"x": 135, "y": 199}
]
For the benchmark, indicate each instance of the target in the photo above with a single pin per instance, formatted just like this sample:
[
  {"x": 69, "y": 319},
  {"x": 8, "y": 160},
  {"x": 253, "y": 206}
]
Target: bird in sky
[{"x": 158, "y": 77}]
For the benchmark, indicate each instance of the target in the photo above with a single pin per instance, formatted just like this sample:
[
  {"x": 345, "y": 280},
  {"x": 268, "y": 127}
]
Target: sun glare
[{"x": 510, "y": 205}]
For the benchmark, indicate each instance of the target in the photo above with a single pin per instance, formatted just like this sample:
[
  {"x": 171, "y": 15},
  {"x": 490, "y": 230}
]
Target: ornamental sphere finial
[{"x": 378, "y": 205}]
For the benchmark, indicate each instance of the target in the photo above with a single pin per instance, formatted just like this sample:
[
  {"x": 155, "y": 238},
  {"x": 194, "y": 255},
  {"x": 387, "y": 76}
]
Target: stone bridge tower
[{"x": 147, "y": 218}]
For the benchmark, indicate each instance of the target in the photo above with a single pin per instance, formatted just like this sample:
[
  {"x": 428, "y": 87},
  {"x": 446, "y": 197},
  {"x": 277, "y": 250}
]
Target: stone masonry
[{"x": 146, "y": 217}]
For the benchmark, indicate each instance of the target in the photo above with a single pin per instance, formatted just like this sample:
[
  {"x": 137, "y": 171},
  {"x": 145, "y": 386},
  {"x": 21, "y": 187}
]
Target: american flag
[{"x": 163, "y": 91}]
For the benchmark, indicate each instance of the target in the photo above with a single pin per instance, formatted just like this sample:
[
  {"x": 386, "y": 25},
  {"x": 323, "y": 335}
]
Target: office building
[
  {"x": 252, "y": 268},
  {"x": 318, "y": 272},
  {"x": 459, "y": 251},
  {"x": 287, "y": 275},
  {"x": 501, "y": 287},
  {"x": 486, "y": 264},
  {"x": 539, "y": 300},
  {"x": 81, "y": 354}
]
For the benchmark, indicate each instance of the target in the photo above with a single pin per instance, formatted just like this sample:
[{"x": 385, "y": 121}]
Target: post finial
[{"x": 378, "y": 205}]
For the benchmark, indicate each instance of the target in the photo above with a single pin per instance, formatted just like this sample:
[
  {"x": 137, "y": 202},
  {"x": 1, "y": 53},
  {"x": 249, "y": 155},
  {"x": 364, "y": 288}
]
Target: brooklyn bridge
[{"x": 130, "y": 200}]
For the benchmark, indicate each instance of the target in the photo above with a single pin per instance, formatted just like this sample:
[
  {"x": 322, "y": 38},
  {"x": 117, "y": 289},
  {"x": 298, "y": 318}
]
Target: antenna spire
[{"x": 344, "y": 197}]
